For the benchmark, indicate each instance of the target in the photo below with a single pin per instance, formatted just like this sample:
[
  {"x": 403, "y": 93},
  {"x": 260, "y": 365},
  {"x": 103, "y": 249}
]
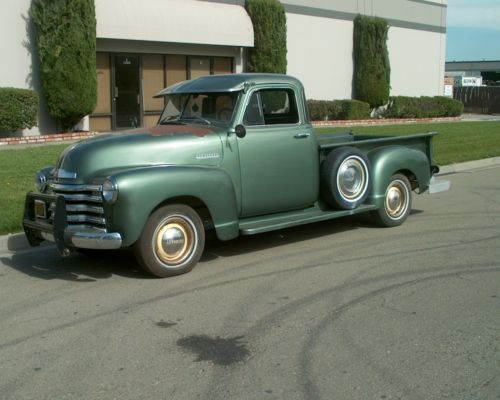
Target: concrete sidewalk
[
  {"x": 13, "y": 243},
  {"x": 480, "y": 117},
  {"x": 469, "y": 166}
]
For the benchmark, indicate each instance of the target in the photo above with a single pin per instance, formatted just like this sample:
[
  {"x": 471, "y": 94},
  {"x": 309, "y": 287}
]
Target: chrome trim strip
[
  {"x": 86, "y": 218},
  {"x": 75, "y": 188},
  {"x": 85, "y": 228},
  {"x": 84, "y": 208},
  {"x": 82, "y": 197}
]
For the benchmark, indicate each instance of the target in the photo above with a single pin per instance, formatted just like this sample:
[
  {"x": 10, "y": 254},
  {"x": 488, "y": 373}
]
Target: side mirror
[{"x": 240, "y": 131}]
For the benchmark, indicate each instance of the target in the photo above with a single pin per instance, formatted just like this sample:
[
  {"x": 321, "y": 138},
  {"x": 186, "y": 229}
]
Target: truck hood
[{"x": 100, "y": 156}]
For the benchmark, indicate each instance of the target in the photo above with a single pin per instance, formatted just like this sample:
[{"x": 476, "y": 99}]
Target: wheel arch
[
  {"x": 194, "y": 202},
  {"x": 391, "y": 160},
  {"x": 141, "y": 191}
]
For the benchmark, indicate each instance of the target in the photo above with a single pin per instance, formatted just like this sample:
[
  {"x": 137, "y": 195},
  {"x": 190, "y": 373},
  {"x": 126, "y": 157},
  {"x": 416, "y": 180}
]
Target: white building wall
[
  {"x": 16, "y": 58},
  {"x": 417, "y": 62},
  {"x": 19, "y": 65},
  {"x": 320, "y": 55}
]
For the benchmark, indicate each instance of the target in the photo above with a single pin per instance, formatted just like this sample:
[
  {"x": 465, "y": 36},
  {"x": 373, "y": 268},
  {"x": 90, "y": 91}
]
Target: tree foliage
[
  {"x": 66, "y": 42},
  {"x": 371, "y": 60},
  {"x": 269, "y": 25}
]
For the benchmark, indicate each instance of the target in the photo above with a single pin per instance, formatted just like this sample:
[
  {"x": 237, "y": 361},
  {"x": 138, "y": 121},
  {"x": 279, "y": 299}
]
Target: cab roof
[{"x": 227, "y": 83}]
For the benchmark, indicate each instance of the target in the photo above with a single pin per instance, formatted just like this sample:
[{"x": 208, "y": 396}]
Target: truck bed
[{"x": 333, "y": 140}]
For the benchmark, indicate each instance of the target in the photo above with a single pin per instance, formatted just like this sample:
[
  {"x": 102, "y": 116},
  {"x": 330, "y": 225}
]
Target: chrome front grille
[{"x": 83, "y": 204}]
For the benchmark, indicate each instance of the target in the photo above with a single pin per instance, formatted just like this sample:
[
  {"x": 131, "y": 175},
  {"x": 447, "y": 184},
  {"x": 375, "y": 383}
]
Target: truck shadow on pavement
[
  {"x": 44, "y": 262},
  {"x": 248, "y": 244}
]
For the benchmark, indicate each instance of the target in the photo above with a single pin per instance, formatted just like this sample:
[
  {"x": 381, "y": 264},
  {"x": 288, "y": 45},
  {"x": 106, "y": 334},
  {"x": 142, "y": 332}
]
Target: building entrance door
[{"x": 126, "y": 92}]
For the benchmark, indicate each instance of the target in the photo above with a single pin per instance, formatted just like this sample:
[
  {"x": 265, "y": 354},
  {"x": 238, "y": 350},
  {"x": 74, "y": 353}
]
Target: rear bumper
[
  {"x": 55, "y": 227},
  {"x": 438, "y": 185}
]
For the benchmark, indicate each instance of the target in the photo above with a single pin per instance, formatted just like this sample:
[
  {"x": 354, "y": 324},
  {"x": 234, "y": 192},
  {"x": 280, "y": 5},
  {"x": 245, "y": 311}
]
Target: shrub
[
  {"x": 355, "y": 109},
  {"x": 453, "y": 108},
  {"x": 423, "y": 107},
  {"x": 66, "y": 42},
  {"x": 269, "y": 25},
  {"x": 320, "y": 110},
  {"x": 372, "y": 69},
  {"x": 18, "y": 109}
]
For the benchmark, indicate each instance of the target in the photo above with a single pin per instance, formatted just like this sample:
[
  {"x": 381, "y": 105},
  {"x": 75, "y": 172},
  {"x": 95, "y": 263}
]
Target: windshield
[{"x": 204, "y": 108}]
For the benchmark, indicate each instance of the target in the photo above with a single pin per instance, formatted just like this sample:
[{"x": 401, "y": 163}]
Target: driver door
[{"x": 278, "y": 156}]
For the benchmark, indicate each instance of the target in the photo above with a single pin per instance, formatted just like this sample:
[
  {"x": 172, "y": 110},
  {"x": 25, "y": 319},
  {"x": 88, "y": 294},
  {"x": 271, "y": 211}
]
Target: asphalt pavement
[{"x": 335, "y": 310}]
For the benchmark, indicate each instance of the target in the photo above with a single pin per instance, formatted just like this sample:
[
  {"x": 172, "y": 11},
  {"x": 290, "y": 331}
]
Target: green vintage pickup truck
[{"x": 232, "y": 153}]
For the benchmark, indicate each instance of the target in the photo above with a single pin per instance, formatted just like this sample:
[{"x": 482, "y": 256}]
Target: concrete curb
[
  {"x": 469, "y": 166},
  {"x": 16, "y": 242}
]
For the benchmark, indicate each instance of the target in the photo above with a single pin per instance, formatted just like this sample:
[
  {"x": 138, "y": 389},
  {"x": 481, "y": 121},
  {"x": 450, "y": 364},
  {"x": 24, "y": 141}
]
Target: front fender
[
  {"x": 387, "y": 161},
  {"x": 141, "y": 190}
]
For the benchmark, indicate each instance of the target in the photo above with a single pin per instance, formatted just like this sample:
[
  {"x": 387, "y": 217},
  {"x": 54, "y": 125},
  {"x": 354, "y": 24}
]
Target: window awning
[{"x": 174, "y": 21}]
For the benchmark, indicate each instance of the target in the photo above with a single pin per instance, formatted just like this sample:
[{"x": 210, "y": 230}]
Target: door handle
[{"x": 302, "y": 135}]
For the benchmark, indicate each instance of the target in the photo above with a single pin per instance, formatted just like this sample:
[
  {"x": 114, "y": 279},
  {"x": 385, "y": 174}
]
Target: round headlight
[
  {"x": 40, "y": 181},
  {"x": 109, "y": 191}
]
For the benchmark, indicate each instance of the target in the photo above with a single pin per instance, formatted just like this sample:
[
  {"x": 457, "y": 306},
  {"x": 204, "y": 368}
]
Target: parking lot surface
[{"x": 336, "y": 310}]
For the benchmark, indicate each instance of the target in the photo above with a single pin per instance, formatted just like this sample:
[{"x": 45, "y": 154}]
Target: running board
[{"x": 272, "y": 222}]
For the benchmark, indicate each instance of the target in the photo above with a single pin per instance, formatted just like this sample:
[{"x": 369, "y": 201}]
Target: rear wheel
[
  {"x": 397, "y": 202},
  {"x": 172, "y": 241}
]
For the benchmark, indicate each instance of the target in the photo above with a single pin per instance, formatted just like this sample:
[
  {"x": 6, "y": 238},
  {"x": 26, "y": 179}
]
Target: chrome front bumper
[
  {"x": 90, "y": 239},
  {"x": 66, "y": 237},
  {"x": 87, "y": 238}
]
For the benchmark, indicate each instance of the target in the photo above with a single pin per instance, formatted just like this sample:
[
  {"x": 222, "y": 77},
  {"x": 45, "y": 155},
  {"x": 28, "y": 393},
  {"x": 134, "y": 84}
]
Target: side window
[
  {"x": 253, "y": 113},
  {"x": 279, "y": 106},
  {"x": 271, "y": 107}
]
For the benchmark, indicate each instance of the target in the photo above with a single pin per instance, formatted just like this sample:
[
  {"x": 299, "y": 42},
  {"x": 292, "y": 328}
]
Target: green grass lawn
[
  {"x": 17, "y": 176},
  {"x": 456, "y": 142}
]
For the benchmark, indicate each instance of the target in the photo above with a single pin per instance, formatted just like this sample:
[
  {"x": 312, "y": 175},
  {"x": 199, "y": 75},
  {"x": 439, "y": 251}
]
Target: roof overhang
[{"x": 174, "y": 21}]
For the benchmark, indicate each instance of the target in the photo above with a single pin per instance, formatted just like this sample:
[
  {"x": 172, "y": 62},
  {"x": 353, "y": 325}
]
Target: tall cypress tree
[
  {"x": 372, "y": 71},
  {"x": 269, "y": 25},
  {"x": 66, "y": 42}
]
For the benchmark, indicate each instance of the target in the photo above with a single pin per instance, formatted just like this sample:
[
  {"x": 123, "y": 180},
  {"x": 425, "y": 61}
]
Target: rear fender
[
  {"x": 387, "y": 161},
  {"x": 142, "y": 190}
]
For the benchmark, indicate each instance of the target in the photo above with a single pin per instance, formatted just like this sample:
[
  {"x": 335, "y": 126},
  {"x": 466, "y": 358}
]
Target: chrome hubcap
[
  {"x": 396, "y": 199},
  {"x": 351, "y": 179},
  {"x": 174, "y": 241}
]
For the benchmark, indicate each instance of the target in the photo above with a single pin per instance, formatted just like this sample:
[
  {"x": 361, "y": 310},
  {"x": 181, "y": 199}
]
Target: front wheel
[
  {"x": 172, "y": 241},
  {"x": 397, "y": 202}
]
